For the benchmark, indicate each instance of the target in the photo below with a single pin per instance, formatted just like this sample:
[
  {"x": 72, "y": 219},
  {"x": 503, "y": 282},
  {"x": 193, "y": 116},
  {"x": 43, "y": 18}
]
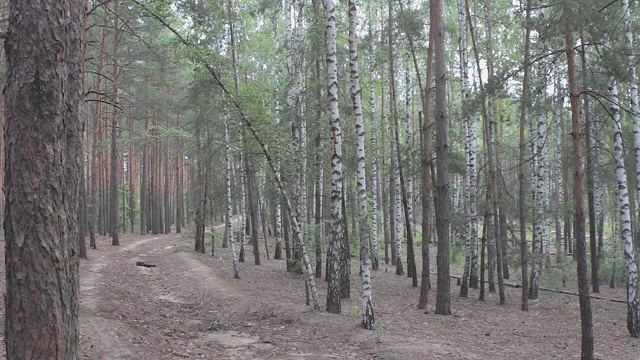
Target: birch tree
[
  {"x": 229, "y": 215},
  {"x": 540, "y": 169},
  {"x": 633, "y": 296},
  {"x": 363, "y": 221},
  {"x": 336, "y": 222},
  {"x": 471, "y": 135},
  {"x": 375, "y": 150}
]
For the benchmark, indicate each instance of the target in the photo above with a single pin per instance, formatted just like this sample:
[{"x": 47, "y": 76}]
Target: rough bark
[
  {"x": 443, "y": 296},
  {"x": 43, "y": 127}
]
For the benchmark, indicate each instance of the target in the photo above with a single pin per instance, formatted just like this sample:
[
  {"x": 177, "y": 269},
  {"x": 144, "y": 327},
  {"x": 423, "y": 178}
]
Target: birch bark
[
  {"x": 633, "y": 297},
  {"x": 367, "y": 306},
  {"x": 336, "y": 223}
]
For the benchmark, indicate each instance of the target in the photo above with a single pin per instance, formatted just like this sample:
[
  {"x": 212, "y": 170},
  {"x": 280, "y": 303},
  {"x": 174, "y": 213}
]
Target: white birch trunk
[
  {"x": 278, "y": 225},
  {"x": 538, "y": 178},
  {"x": 227, "y": 143},
  {"x": 538, "y": 221},
  {"x": 374, "y": 181},
  {"x": 367, "y": 306},
  {"x": 558, "y": 176},
  {"x": 374, "y": 158},
  {"x": 409, "y": 137},
  {"x": 243, "y": 208},
  {"x": 625, "y": 214},
  {"x": 336, "y": 223},
  {"x": 633, "y": 299},
  {"x": 470, "y": 274},
  {"x": 397, "y": 211},
  {"x": 302, "y": 131}
]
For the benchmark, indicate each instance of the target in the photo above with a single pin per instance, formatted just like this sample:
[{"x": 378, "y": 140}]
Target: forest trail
[
  {"x": 136, "y": 312},
  {"x": 181, "y": 308},
  {"x": 189, "y": 306}
]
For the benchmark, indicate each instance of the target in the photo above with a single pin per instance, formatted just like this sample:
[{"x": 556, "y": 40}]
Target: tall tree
[
  {"x": 336, "y": 223},
  {"x": 540, "y": 165},
  {"x": 43, "y": 93},
  {"x": 633, "y": 295},
  {"x": 578, "y": 192},
  {"x": 471, "y": 135},
  {"x": 363, "y": 221},
  {"x": 522, "y": 213},
  {"x": 229, "y": 215},
  {"x": 375, "y": 184},
  {"x": 443, "y": 296},
  {"x": 590, "y": 170},
  {"x": 426, "y": 176},
  {"x": 115, "y": 164}
]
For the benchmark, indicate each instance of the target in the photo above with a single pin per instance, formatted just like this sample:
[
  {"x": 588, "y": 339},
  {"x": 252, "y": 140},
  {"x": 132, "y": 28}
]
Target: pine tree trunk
[
  {"x": 253, "y": 205},
  {"x": 588, "y": 126},
  {"x": 114, "y": 182},
  {"x": 166, "y": 190},
  {"x": 522, "y": 212},
  {"x": 578, "y": 193},
  {"x": 144, "y": 178},
  {"x": 82, "y": 213},
  {"x": 425, "y": 161},
  {"x": 443, "y": 296},
  {"x": 179, "y": 158},
  {"x": 42, "y": 158}
]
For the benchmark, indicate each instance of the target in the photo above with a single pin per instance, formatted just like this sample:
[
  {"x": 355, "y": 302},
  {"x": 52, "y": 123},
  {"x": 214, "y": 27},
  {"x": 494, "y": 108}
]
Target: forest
[{"x": 379, "y": 161}]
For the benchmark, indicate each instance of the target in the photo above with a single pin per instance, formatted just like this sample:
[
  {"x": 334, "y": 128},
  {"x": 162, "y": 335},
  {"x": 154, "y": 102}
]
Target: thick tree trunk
[
  {"x": 578, "y": 192},
  {"x": 337, "y": 224},
  {"x": 443, "y": 296},
  {"x": 43, "y": 133}
]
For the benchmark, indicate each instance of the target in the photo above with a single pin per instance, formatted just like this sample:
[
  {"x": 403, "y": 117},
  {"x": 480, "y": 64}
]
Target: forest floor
[{"x": 190, "y": 306}]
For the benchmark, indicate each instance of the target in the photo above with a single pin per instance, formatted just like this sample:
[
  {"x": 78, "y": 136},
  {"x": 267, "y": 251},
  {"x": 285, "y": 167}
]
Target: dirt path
[
  {"x": 182, "y": 309},
  {"x": 189, "y": 306},
  {"x": 166, "y": 311}
]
